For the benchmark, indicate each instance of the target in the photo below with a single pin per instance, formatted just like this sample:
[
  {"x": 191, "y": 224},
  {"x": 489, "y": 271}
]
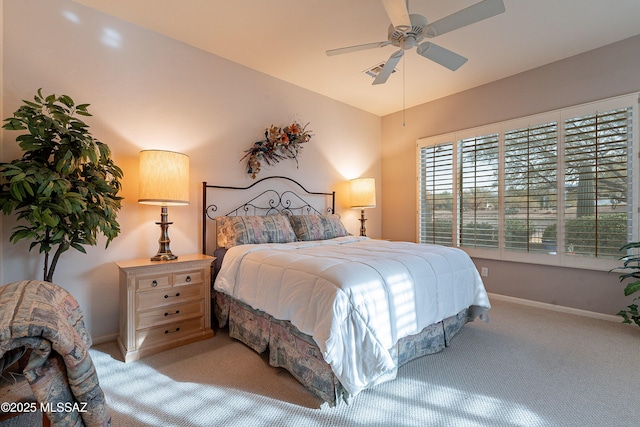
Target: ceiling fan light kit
[{"x": 409, "y": 30}]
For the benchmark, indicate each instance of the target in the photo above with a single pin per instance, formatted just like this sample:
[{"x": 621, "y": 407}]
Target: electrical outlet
[{"x": 484, "y": 272}]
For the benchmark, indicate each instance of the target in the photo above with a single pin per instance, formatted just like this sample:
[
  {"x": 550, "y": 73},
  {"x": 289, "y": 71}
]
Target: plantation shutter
[
  {"x": 530, "y": 188},
  {"x": 597, "y": 155},
  {"x": 436, "y": 194},
  {"x": 478, "y": 191}
]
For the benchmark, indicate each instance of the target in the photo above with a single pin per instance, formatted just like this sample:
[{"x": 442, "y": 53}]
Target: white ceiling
[{"x": 287, "y": 39}]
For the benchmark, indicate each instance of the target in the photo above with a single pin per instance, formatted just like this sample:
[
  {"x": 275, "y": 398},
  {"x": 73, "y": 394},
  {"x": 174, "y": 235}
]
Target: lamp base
[
  {"x": 363, "y": 230},
  {"x": 164, "y": 257},
  {"x": 164, "y": 251}
]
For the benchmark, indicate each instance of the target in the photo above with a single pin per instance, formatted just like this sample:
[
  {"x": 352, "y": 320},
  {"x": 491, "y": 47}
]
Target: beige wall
[
  {"x": 148, "y": 91},
  {"x": 599, "y": 74}
]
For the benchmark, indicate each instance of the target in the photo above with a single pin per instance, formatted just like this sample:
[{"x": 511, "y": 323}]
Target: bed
[{"x": 341, "y": 313}]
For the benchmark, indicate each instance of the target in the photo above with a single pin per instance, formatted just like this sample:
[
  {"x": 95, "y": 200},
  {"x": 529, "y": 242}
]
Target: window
[
  {"x": 478, "y": 191},
  {"x": 597, "y": 151},
  {"x": 530, "y": 188},
  {"x": 553, "y": 188},
  {"x": 436, "y": 194}
]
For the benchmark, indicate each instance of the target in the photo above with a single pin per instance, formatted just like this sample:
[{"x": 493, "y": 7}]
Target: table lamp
[
  {"x": 164, "y": 181},
  {"x": 363, "y": 195}
]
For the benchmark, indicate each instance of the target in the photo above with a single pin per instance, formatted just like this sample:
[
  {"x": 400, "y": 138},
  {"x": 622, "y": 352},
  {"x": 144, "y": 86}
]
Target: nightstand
[{"x": 163, "y": 304}]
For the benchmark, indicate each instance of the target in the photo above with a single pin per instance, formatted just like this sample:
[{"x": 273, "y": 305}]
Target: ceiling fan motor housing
[{"x": 407, "y": 37}]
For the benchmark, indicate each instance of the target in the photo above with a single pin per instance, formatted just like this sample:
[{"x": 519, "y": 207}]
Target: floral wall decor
[{"x": 278, "y": 144}]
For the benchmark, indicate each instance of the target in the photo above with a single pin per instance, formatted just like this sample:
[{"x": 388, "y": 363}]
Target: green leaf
[
  {"x": 14, "y": 124},
  {"x": 79, "y": 247},
  {"x": 33, "y": 104},
  {"x": 11, "y": 170},
  {"x": 66, "y": 100},
  {"x": 632, "y": 288},
  {"x": 15, "y": 192},
  {"x": 630, "y": 245},
  {"x": 93, "y": 156},
  {"x": 47, "y": 190},
  {"x": 68, "y": 207},
  {"x": 83, "y": 113},
  {"x": 28, "y": 188},
  {"x": 21, "y": 233},
  {"x": 58, "y": 236},
  {"x": 18, "y": 177},
  {"x": 48, "y": 219}
]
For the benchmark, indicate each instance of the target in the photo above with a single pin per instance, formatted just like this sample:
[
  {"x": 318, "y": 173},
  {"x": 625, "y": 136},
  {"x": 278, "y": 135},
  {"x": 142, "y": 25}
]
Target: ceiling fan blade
[
  {"x": 442, "y": 56},
  {"x": 398, "y": 13},
  {"x": 475, "y": 13},
  {"x": 357, "y": 48},
  {"x": 388, "y": 68}
]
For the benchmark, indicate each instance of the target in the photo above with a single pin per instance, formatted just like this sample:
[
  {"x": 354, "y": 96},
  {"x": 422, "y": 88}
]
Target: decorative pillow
[
  {"x": 241, "y": 230},
  {"x": 317, "y": 227}
]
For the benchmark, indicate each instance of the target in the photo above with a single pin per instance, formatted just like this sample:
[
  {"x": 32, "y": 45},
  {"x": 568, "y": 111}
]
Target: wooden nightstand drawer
[
  {"x": 170, "y": 296},
  {"x": 168, "y": 333},
  {"x": 153, "y": 282},
  {"x": 188, "y": 277},
  {"x": 169, "y": 314},
  {"x": 163, "y": 304}
]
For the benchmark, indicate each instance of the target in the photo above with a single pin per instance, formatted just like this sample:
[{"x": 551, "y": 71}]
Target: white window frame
[{"x": 559, "y": 116}]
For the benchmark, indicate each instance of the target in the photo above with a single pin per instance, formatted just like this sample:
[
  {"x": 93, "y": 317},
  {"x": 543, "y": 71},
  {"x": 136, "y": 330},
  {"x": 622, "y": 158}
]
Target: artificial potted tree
[
  {"x": 64, "y": 189},
  {"x": 630, "y": 270}
]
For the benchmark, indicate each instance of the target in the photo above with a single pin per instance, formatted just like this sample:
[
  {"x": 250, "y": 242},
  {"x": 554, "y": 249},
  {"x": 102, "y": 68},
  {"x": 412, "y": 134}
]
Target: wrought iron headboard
[{"x": 266, "y": 202}]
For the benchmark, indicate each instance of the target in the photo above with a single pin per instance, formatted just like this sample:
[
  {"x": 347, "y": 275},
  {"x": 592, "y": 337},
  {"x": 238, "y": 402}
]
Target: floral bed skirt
[{"x": 297, "y": 353}]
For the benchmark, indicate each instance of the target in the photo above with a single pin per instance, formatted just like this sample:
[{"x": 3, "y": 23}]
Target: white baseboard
[
  {"x": 560, "y": 308},
  {"x": 104, "y": 338}
]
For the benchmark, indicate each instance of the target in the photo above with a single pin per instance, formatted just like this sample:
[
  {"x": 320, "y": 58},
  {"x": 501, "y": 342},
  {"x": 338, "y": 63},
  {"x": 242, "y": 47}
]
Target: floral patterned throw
[{"x": 45, "y": 318}]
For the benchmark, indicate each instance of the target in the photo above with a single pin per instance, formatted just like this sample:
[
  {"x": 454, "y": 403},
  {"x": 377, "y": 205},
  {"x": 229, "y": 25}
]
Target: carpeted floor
[{"x": 526, "y": 367}]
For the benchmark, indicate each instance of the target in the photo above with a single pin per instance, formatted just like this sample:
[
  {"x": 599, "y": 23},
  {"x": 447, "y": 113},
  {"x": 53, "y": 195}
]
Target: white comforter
[{"x": 355, "y": 296}]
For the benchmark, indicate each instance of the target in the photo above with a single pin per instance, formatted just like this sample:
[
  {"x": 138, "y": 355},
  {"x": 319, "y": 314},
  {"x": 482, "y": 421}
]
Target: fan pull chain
[{"x": 404, "y": 93}]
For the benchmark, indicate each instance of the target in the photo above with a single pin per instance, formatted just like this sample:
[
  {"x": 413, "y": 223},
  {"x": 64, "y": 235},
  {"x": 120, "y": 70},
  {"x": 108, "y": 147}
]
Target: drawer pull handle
[
  {"x": 154, "y": 283},
  {"x": 170, "y": 332},
  {"x": 188, "y": 279},
  {"x": 169, "y": 314},
  {"x": 171, "y": 296}
]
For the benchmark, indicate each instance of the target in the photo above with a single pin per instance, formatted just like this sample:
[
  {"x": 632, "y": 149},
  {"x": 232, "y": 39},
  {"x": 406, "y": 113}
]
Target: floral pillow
[
  {"x": 242, "y": 230},
  {"x": 317, "y": 227}
]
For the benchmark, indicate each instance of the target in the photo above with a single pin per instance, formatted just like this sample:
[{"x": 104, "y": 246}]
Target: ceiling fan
[{"x": 409, "y": 30}]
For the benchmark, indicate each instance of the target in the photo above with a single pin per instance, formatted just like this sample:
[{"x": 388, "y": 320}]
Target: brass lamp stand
[
  {"x": 164, "y": 251},
  {"x": 363, "y": 229}
]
